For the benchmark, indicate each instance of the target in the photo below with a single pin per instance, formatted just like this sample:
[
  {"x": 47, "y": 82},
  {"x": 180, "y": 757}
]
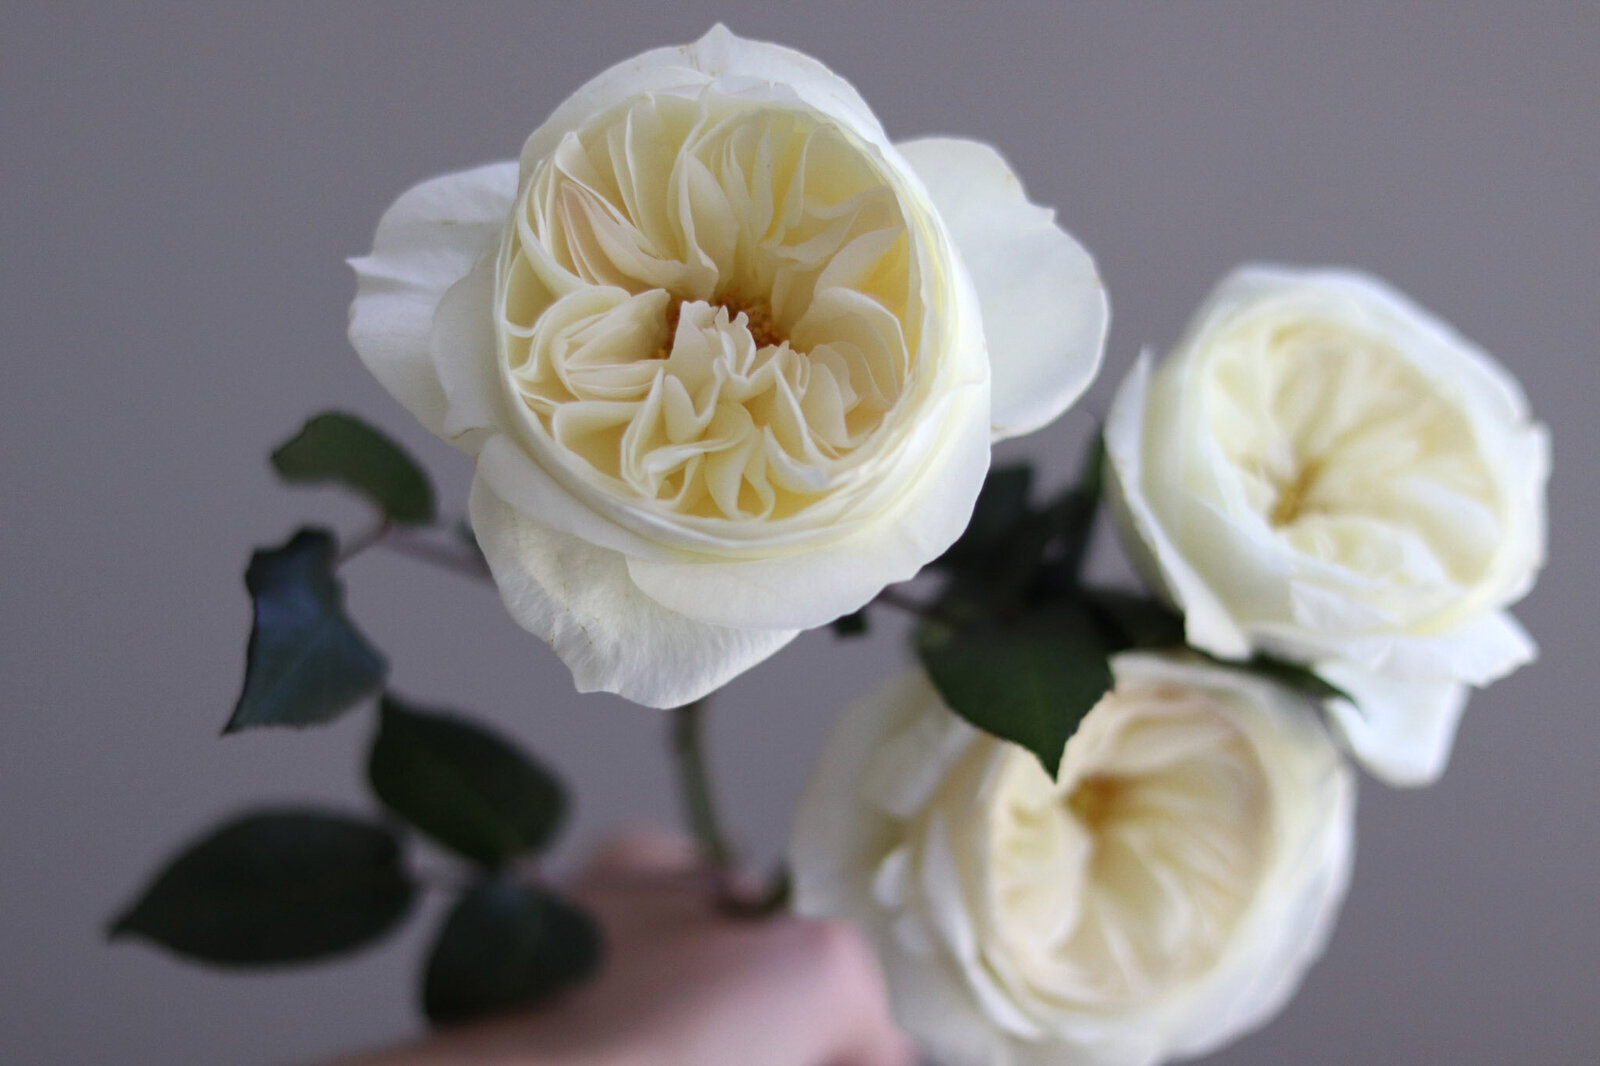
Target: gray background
[{"x": 179, "y": 186}]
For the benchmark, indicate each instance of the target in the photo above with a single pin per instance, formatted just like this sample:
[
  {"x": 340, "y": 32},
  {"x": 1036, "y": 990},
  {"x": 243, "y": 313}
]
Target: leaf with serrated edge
[
  {"x": 507, "y": 945},
  {"x": 340, "y": 448},
  {"x": 306, "y": 662},
  {"x": 462, "y": 785},
  {"x": 272, "y": 887}
]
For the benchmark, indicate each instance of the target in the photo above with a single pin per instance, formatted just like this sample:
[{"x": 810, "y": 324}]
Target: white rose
[
  {"x": 729, "y": 360},
  {"x": 1324, "y": 472},
  {"x": 1165, "y": 895}
]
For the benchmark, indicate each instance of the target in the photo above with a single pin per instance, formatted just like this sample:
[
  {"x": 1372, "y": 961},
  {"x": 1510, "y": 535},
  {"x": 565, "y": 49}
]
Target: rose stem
[{"x": 694, "y": 784}]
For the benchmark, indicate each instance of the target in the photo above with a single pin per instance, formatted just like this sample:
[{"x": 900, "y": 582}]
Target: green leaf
[
  {"x": 1030, "y": 680},
  {"x": 275, "y": 886},
  {"x": 507, "y": 945},
  {"x": 306, "y": 661},
  {"x": 340, "y": 448},
  {"x": 1073, "y": 514},
  {"x": 1129, "y": 620},
  {"x": 462, "y": 785}
]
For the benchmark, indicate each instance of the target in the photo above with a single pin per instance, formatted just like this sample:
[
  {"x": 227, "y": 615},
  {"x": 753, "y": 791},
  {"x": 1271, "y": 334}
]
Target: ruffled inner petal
[{"x": 714, "y": 311}]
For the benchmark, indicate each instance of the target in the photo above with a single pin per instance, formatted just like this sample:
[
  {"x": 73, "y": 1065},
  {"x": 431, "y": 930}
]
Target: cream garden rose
[
  {"x": 1323, "y": 471},
  {"x": 728, "y": 359},
  {"x": 1161, "y": 897}
]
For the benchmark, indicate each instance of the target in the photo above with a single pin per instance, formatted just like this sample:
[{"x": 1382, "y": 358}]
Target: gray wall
[{"x": 179, "y": 186}]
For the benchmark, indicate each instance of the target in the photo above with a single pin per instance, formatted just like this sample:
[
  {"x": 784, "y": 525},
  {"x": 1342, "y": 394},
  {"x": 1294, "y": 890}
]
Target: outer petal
[
  {"x": 1207, "y": 623},
  {"x": 1401, "y": 732},
  {"x": 462, "y": 347},
  {"x": 1484, "y": 649},
  {"x": 1433, "y": 344},
  {"x": 427, "y": 241},
  {"x": 1045, "y": 312},
  {"x": 834, "y": 848},
  {"x": 718, "y": 56},
  {"x": 578, "y": 598}
]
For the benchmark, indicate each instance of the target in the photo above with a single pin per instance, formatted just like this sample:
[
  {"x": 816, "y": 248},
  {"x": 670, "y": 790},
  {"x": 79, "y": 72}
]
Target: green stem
[{"x": 694, "y": 784}]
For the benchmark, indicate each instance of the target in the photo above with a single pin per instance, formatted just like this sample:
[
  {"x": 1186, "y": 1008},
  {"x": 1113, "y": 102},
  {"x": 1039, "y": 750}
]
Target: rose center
[
  {"x": 1292, "y": 500},
  {"x": 758, "y": 320},
  {"x": 1096, "y": 799}
]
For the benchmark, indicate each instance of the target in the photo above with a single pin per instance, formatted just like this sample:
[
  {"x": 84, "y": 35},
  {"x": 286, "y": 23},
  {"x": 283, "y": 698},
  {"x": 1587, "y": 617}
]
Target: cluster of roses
[{"x": 730, "y": 362}]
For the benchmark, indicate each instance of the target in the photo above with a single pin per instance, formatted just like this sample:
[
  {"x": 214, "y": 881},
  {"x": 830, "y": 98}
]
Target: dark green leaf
[
  {"x": 507, "y": 945},
  {"x": 1092, "y": 468},
  {"x": 275, "y": 887},
  {"x": 1073, "y": 515},
  {"x": 1128, "y": 620},
  {"x": 462, "y": 785},
  {"x": 851, "y": 625},
  {"x": 306, "y": 662},
  {"x": 1031, "y": 680},
  {"x": 340, "y": 448}
]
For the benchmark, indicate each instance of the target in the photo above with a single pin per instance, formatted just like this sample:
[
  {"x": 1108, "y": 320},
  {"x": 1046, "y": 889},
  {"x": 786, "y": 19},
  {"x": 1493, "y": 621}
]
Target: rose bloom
[
  {"x": 1160, "y": 898},
  {"x": 1325, "y": 472},
  {"x": 729, "y": 361}
]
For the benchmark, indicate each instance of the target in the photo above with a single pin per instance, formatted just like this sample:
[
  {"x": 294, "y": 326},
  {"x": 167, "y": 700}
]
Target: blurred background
[{"x": 179, "y": 187}]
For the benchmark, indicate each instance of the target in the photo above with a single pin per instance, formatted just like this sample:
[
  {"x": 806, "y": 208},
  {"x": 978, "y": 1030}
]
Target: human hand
[{"x": 683, "y": 984}]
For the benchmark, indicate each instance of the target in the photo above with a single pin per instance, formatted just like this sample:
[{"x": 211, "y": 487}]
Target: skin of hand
[{"x": 686, "y": 985}]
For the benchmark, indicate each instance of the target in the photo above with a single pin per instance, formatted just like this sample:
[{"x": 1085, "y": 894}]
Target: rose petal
[
  {"x": 427, "y": 241},
  {"x": 463, "y": 349},
  {"x": 1401, "y": 732},
  {"x": 1045, "y": 312},
  {"x": 832, "y": 847},
  {"x": 527, "y": 487},
  {"x": 1479, "y": 651},
  {"x": 577, "y": 597},
  {"x": 755, "y": 67},
  {"x": 813, "y": 587},
  {"x": 1207, "y": 624}
]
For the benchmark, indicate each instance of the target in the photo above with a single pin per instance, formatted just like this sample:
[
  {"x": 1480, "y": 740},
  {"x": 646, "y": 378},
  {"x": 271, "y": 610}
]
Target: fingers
[
  {"x": 867, "y": 1035},
  {"x": 889, "y": 1047},
  {"x": 781, "y": 990}
]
